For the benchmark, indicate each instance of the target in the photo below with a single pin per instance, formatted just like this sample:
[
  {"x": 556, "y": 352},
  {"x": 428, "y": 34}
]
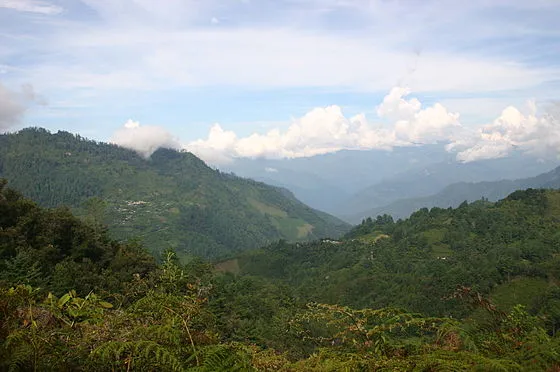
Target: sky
[{"x": 286, "y": 78}]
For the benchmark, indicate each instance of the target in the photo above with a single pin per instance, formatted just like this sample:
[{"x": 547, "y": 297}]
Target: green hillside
[
  {"x": 509, "y": 250},
  {"x": 171, "y": 200},
  {"x": 484, "y": 276}
]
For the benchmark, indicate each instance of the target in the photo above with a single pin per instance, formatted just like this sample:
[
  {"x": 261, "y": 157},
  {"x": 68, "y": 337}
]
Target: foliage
[
  {"x": 507, "y": 250},
  {"x": 382, "y": 299},
  {"x": 51, "y": 248},
  {"x": 171, "y": 200}
]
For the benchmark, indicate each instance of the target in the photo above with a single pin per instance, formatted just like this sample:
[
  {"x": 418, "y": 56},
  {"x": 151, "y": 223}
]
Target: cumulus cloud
[
  {"x": 144, "y": 139},
  {"x": 327, "y": 129},
  {"x": 403, "y": 121},
  {"x": 533, "y": 134},
  {"x": 414, "y": 124},
  {"x": 14, "y": 104},
  {"x": 396, "y": 107}
]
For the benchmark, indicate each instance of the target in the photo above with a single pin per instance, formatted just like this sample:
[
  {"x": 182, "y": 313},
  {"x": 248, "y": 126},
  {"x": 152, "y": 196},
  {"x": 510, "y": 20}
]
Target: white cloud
[
  {"x": 270, "y": 170},
  {"x": 324, "y": 130},
  {"x": 530, "y": 133},
  {"x": 395, "y": 107},
  {"x": 485, "y": 150},
  {"x": 14, "y": 104},
  {"x": 31, "y": 6},
  {"x": 121, "y": 56},
  {"x": 11, "y": 109},
  {"x": 412, "y": 124},
  {"x": 142, "y": 48},
  {"x": 144, "y": 139},
  {"x": 283, "y": 58},
  {"x": 476, "y": 110},
  {"x": 145, "y": 50}
]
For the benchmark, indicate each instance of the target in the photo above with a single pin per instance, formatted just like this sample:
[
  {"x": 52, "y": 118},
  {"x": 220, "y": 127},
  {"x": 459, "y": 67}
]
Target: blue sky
[{"x": 267, "y": 71}]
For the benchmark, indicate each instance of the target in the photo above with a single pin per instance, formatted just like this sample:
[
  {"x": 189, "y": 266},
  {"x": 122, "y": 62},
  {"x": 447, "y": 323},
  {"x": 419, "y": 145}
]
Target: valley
[
  {"x": 279, "y": 185},
  {"x": 450, "y": 289}
]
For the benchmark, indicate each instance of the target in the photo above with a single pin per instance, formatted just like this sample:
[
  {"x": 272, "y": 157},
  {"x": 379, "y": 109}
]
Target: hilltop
[{"x": 170, "y": 200}]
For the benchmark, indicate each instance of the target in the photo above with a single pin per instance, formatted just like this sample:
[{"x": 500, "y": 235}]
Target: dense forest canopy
[
  {"x": 508, "y": 250},
  {"x": 171, "y": 200},
  {"x": 471, "y": 288}
]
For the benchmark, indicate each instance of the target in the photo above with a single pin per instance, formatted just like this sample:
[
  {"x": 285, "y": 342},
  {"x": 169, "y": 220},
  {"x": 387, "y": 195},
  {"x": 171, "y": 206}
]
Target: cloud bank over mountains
[
  {"x": 144, "y": 139},
  {"x": 533, "y": 134},
  {"x": 325, "y": 130},
  {"x": 401, "y": 120},
  {"x": 241, "y": 63}
]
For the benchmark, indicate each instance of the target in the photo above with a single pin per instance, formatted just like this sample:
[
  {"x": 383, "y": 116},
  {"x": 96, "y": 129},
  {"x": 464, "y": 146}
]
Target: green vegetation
[
  {"x": 380, "y": 299},
  {"x": 507, "y": 250},
  {"x": 172, "y": 200}
]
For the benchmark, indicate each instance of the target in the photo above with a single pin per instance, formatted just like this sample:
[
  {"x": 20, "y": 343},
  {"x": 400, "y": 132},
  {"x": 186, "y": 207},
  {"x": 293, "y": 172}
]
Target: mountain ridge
[
  {"x": 350, "y": 181},
  {"x": 456, "y": 193},
  {"x": 170, "y": 200}
]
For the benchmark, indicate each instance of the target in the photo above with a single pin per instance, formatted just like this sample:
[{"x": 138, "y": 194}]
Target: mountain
[
  {"x": 308, "y": 186},
  {"x": 455, "y": 194},
  {"x": 171, "y": 199},
  {"x": 431, "y": 179},
  {"x": 348, "y": 182},
  {"x": 325, "y": 181}
]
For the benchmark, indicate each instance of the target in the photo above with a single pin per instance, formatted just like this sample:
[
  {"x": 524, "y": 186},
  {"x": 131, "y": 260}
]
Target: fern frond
[
  {"x": 442, "y": 360},
  {"x": 20, "y": 359},
  {"x": 144, "y": 355},
  {"x": 222, "y": 358},
  {"x": 162, "y": 334}
]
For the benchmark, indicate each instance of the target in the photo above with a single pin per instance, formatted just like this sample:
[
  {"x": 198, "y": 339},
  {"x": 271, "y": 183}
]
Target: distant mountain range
[
  {"x": 455, "y": 194},
  {"x": 352, "y": 183},
  {"x": 326, "y": 181},
  {"x": 170, "y": 200}
]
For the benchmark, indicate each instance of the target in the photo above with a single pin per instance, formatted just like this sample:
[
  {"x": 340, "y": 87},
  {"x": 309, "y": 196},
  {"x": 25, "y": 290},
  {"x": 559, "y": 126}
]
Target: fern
[
  {"x": 448, "y": 331},
  {"x": 137, "y": 355},
  {"x": 218, "y": 358},
  {"x": 20, "y": 358},
  {"x": 539, "y": 353},
  {"x": 162, "y": 334},
  {"x": 442, "y": 360},
  {"x": 21, "y": 353}
]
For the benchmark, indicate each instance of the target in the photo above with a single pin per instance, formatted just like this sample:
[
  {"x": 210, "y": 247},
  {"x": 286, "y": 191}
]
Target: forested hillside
[
  {"x": 171, "y": 200},
  {"x": 508, "y": 250},
  {"x": 475, "y": 288}
]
